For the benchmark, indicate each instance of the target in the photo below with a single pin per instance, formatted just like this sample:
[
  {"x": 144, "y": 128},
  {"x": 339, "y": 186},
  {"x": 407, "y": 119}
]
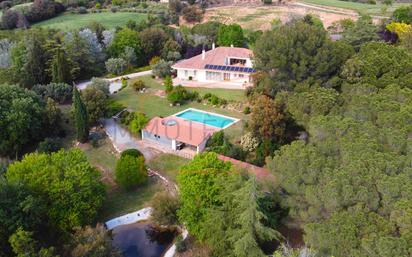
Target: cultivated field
[
  {"x": 69, "y": 21},
  {"x": 259, "y": 17}
]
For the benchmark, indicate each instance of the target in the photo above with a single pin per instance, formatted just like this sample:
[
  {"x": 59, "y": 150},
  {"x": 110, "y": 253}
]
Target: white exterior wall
[
  {"x": 202, "y": 146},
  {"x": 186, "y": 73},
  {"x": 201, "y": 76}
]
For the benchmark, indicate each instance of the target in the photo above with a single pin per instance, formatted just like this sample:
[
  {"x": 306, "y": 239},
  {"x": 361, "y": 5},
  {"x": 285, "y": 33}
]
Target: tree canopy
[{"x": 70, "y": 187}]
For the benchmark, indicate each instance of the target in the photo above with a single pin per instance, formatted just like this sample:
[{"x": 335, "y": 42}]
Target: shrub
[
  {"x": 192, "y": 14},
  {"x": 59, "y": 92},
  {"x": 50, "y": 145},
  {"x": 180, "y": 244},
  {"x": 247, "y": 110},
  {"x": 116, "y": 65},
  {"x": 114, "y": 107},
  {"x": 180, "y": 95},
  {"x": 168, "y": 82},
  {"x": 138, "y": 85},
  {"x": 96, "y": 104},
  {"x": 217, "y": 139},
  {"x": 113, "y": 9},
  {"x": 162, "y": 68},
  {"x": 165, "y": 208},
  {"x": 131, "y": 152},
  {"x": 130, "y": 171},
  {"x": 43, "y": 10},
  {"x": 403, "y": 14},
  {"x": 101, "y": 84},
  {"x": 154, "y": 60},
  {"x": 137, "y": 122},
  {"x": 98, "y": 5},
  {"x": 82, "y": 10},
  {"x": 248, "y": 142}
]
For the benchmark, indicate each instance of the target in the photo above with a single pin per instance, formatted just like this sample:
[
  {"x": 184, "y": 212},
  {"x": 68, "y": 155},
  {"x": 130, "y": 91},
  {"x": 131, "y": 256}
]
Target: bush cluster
[
  {"x": 179, "y": 95},
  {"x": 214, "y": 100}
]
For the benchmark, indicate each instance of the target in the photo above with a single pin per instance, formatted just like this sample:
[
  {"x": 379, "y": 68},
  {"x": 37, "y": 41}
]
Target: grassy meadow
[{"x": 69, "y": 21}]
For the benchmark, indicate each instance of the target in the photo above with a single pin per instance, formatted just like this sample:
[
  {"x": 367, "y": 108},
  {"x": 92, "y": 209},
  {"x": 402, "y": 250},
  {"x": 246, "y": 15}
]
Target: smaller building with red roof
[
  {"x": 177, "y": 133},
  {"x": 221, "y": 64}
]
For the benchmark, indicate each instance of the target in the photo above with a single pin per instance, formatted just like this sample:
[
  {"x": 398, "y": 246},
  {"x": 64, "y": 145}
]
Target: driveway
[
  {"x": 122, "y": 139},
  {"x": 115, "y": 83}
]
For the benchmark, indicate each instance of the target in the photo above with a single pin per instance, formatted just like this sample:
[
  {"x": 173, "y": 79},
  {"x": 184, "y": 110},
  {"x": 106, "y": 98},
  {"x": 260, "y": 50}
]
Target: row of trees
[{"x": 39, "y": 10}]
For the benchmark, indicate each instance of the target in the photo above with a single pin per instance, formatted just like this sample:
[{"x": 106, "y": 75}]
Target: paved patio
[{"x": 215, "y": 84}]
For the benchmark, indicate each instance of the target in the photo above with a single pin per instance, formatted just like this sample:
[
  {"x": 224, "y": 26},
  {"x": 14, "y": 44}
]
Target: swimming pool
[{"x": 211, "y": 119}]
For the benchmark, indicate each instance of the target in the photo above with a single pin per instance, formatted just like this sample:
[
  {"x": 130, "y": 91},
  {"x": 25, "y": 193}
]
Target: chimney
[
  {"x": 213, "y": 46},
  {"x": 231, "y": 45},
  {"x": 203, "y": 54}
]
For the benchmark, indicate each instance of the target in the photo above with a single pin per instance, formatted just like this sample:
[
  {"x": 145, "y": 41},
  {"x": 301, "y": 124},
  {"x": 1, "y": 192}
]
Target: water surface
[{"x": 141, "y": 240}]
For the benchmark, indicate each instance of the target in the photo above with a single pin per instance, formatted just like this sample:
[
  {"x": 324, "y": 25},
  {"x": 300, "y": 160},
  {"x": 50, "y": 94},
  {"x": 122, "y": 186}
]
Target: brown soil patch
[{"x": 256, "y": 17}]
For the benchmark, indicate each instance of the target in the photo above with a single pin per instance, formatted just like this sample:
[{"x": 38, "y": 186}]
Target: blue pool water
[{"x": 206, "y": 118}]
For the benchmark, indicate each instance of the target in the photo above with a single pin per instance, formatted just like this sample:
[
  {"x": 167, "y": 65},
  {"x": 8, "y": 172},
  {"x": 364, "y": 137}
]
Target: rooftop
[
  {"x": 192, "y": 133},
  {"x": 214, "y": 57}
]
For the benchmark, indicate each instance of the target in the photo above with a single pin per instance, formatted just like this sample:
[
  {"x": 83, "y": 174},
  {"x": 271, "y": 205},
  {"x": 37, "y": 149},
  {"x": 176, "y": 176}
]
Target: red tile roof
[
  {"x": 192, "y": 133},
  {"x": 214, "y": 57},
  {"x": 259, "y": 172}
]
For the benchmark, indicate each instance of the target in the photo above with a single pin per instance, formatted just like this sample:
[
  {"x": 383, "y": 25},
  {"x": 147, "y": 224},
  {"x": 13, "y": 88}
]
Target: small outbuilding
[{"x": 178, "y": 133}]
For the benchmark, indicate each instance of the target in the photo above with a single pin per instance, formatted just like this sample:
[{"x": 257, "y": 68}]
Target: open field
[
  {"x": 372, "y": 9},
  {"x": 69, "y": 21},
  {"x": 260, "y": 17}
]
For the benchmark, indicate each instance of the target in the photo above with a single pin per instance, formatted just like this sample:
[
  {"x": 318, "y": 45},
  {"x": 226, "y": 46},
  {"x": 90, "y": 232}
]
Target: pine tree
[
  {"x": 81, "y": 117},
  {"x": 61, "y": 68},
  {"x": 249, "y": 222}
]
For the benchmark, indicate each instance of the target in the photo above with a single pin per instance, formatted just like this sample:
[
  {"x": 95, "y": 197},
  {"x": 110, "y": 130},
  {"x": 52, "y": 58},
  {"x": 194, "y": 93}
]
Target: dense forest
[{"x": 331, "y": 120}]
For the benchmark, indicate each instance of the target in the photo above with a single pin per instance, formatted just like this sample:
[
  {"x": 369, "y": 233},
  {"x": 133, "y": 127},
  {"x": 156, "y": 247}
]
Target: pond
[{"x": 142, "y": 240}]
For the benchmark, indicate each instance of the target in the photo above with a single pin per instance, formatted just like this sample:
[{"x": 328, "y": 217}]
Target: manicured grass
[
  {"x": 69, "y": 21},
  {"x": 153, "y": 106},
  {"x": 120, "y": 202},
  {"x": 168, "y": 165},
  {"x": 228, "y": 94},
  {"x": 373, "y": 9}
]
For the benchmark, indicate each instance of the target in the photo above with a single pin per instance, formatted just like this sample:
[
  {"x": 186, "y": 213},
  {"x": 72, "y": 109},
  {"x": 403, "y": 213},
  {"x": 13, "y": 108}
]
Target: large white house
[{"x": 223, "y": 64}]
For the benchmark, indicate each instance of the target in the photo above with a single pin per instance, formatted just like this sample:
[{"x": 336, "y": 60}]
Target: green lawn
[
  {"x": 168, "y": 165},
  {"x": 228, "y": 94},
  {"x": 69, "y": 21},
  {"x": 120, "y": 202},
  {"x": 373, "y": 9},
  {"x": 153, "y": 105}
]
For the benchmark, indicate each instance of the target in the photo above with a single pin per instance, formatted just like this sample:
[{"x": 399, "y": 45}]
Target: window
[
  {"x": 186, "y": 73},
  {"x": 241, "y": 75},
  {"x": 194, "y": 73},
  {"x": 217, "y": 76}
]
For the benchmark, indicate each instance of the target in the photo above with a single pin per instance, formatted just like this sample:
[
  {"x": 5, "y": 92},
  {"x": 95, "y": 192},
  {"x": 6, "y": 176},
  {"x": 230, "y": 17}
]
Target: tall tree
[
  {"x": 230, "y": 35},
  {"x": 298, "y": 52},
  {"x": 61, "y": 68},
  {"x": 71, "y": 188},
  {"x": 22, "y": 119},
  {"x": 81, "y": 117}
]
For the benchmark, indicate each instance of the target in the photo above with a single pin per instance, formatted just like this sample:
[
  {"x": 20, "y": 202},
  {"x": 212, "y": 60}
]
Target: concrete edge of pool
[{"x": 235, "y": 120}]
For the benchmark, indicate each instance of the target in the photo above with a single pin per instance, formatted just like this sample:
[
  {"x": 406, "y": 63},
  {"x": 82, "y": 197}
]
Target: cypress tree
[
  {"x": 60, "y": 68},
  {"x": 81, "y": 117}
]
